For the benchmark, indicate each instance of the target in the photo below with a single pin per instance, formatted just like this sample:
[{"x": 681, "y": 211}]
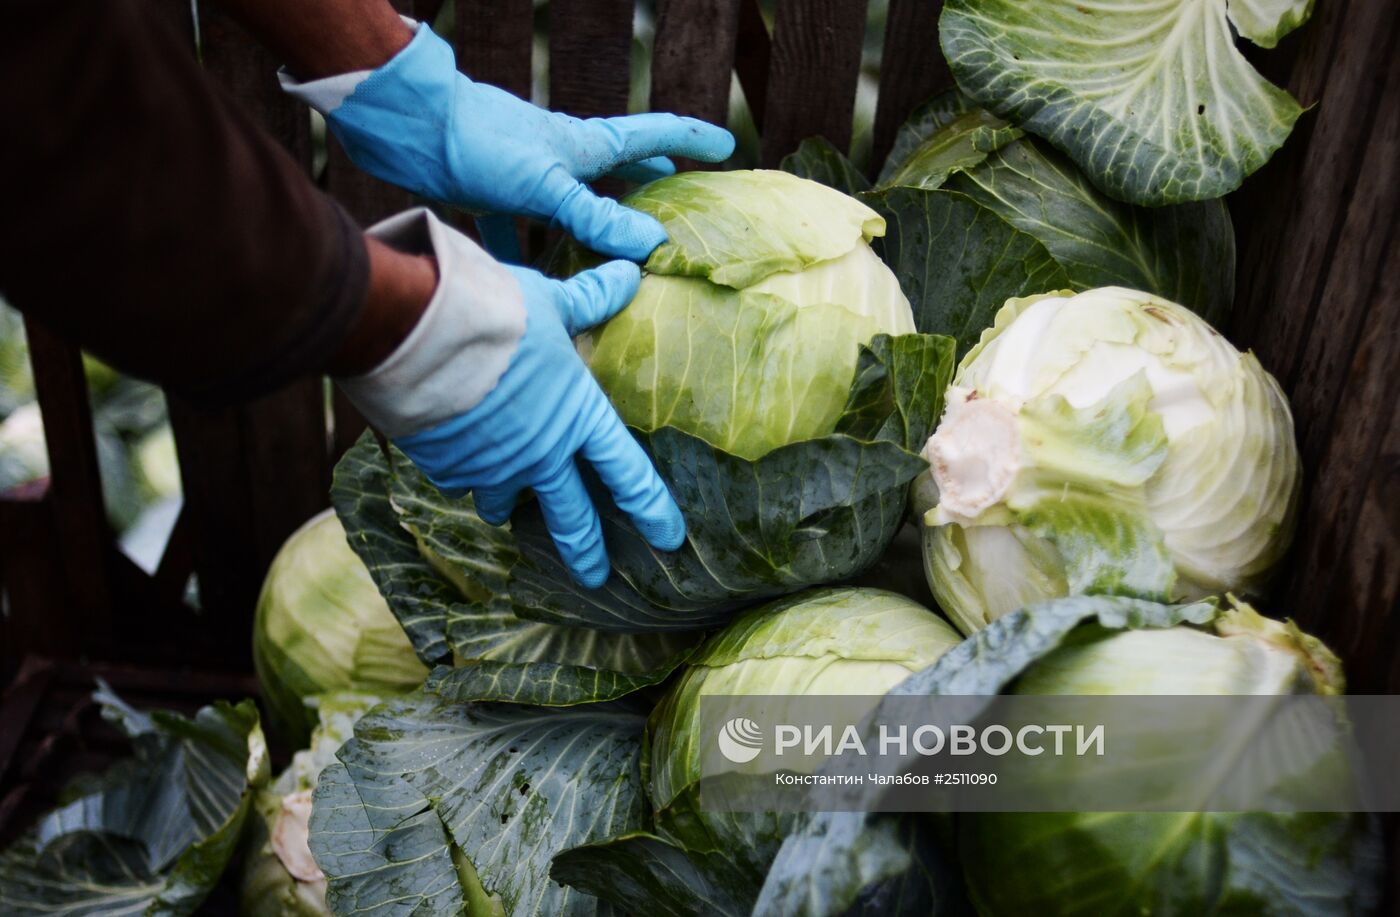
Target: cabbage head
[
  {"x": 747, "y": 327},
  {"x": 840, "y": 641},
  {"x": 323, "y": 627},
  {"x": 1056, "y": 864},
  {"x": 1108, "y": 442}
]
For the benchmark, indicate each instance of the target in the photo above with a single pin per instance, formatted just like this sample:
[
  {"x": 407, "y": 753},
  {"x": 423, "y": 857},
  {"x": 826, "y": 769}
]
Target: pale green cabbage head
[
  {"x": 746, "y": 329},
  {"x": 323, "y": 627},
  {"x": 842, "y": 641},
  {"x": 1197, "y": 862},
  {"x": 1108, "y": 442}
]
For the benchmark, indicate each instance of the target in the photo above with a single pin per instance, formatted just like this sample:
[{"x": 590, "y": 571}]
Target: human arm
[
  {"x": 150, "y": 220},
  {"x": 412, "y": 119}
]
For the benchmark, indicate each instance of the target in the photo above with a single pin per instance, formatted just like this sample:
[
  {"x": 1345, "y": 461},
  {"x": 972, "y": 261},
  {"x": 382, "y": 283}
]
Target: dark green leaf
[
  {"x": 646, "y": 874},
  {"x": 446, "y": 576},
  {"x": 1184, "y": 253},
  {"x": 512, "y": 785},
  {"x": 958, "y": 262},
  {"x": 957, "y": 145},
  {"x": 817, "y": 159},
  {"x": 856, "y": 863},
  {"x": 154, "y": 833}
]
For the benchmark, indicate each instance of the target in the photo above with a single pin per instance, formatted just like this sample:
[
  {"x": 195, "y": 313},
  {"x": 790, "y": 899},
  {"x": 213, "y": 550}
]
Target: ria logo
[{"x": 740, "y": 740}]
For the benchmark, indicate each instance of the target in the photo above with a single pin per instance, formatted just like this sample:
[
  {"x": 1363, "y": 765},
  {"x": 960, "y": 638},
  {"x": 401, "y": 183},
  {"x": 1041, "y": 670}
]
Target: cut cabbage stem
[{"x": 975, "y": 454}]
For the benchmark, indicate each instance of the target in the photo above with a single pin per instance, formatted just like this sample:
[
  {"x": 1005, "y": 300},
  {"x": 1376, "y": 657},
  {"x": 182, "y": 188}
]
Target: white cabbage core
[
  {"x": 290, "y": 837},
  {"x": 974, "y": 454}
]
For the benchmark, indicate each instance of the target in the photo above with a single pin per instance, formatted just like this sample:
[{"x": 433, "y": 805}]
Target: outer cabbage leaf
[
  {"x": 1185, "y": 253},
  {"x": 816, "y": 159},
  {"x": 806, "y": 513},
  {"x": 1152, "y": 101},
  {"x": 958, "y": 261},
  {"x": 494, "y": 790},
  {"x": 446, "y": 576},
  {"x": 155, "y": 832},
  {"x": 644, "y": 873},
  {"x": 801, "y": 224}
]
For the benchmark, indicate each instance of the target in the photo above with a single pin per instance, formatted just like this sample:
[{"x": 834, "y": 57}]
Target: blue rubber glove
[
  {"x": 420, "y": 124},
  {"x": 487, "y": 394}
]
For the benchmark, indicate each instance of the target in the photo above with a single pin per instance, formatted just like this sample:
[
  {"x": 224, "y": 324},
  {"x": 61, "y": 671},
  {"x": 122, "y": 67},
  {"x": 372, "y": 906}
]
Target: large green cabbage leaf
[
  {"x": 432, "y": 796},
  {"x": 979, "y": 213},
  {"x": 151, "y": 835},
  {"x": 1152, "y": 100},
  {"x": 447, "y": 578}
]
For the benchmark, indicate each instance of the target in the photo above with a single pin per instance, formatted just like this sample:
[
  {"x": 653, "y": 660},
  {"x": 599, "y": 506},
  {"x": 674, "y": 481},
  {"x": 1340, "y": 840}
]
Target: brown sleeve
[{"x": 144, "y": 216}]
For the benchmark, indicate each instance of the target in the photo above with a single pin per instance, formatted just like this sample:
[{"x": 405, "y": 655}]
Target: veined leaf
[
  {"x": 1185, "y": 253},
  {"x": 432, "y": 792},
  {"x": 446, "y": 576},
  {"x": 1152, "y": 101},
  {"x": 815, "y": 158},
  {"x": 958, "y": 262},
  {"x": 155, "y": 832}
]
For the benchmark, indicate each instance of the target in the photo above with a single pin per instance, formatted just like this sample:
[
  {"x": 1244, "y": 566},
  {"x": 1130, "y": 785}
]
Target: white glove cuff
[
  {"x": 329, "y": 93},
  {"x": 461, "y": 346}
]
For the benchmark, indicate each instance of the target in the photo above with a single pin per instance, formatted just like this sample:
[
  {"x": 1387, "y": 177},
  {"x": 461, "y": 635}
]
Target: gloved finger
[
  {"x": 646, "y": 170},
  {"x": 494, "y": 504},
  {"x": 643, "y": 136},
  {"x": 498, "y": 236},
  {"x": 636, "y": 488},
  {"x": 601, "y": 223},
  {"x": 595, "y": 295},
  {"x": 573, "y": 522}
]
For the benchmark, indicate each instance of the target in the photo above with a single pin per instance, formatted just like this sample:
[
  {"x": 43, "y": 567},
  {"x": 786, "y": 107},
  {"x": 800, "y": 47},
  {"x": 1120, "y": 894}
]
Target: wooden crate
[{"x": 1318, "y": 299}]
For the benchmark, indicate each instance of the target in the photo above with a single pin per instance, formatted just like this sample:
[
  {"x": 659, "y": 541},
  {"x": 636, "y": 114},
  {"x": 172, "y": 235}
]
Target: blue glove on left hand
[
  {"x": 487, "y": 394},
  {"x": 420, "y": 124}
]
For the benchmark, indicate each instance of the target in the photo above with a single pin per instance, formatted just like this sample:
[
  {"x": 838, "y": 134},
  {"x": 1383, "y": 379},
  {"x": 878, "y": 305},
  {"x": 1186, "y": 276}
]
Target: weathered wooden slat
[
  {"x": 41, "y": 616},
  {"x": 1319, "y": 303},
  {"x": 812, "y": 81},
  {"x": 1288, "y": 240},
  {"x": 76, "y": 491},
  {"x": 753, "y": 59},
  {"x": 912, "y": 69},
  {"x": 590, "y": 52},
  {"x": 693, "y": 58},
  {"x": 494, "y": 42}
]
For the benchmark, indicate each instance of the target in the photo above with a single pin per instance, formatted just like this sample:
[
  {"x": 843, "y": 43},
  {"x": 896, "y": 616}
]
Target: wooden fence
[{"x": 1317, "y": 299}]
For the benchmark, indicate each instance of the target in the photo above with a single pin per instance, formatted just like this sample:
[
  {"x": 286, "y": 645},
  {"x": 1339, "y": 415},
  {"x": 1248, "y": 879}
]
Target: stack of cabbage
[{"x": 1107, "y": 473}]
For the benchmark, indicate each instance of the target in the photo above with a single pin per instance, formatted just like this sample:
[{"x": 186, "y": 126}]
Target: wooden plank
[
  {"x": 31, "y": 571},
  {"x": 18, "y": 703},
  {"x": 494, "y": 41},
  {"x": 590, "y": 53},
  {"x": 76, "y": 491},
  {"x": 812, "y": 81},
  {"x": 912, "y": 70},
  {"x": 1319, "y": 302},
  {"x": 693, "y": 59},
  {"x": 1287, "y": 240},
  {"x": 753, "y": 59}
]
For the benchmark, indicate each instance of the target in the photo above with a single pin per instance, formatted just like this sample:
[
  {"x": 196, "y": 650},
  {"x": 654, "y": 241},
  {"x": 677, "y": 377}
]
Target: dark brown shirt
[{"x": 144, "y": 216}]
